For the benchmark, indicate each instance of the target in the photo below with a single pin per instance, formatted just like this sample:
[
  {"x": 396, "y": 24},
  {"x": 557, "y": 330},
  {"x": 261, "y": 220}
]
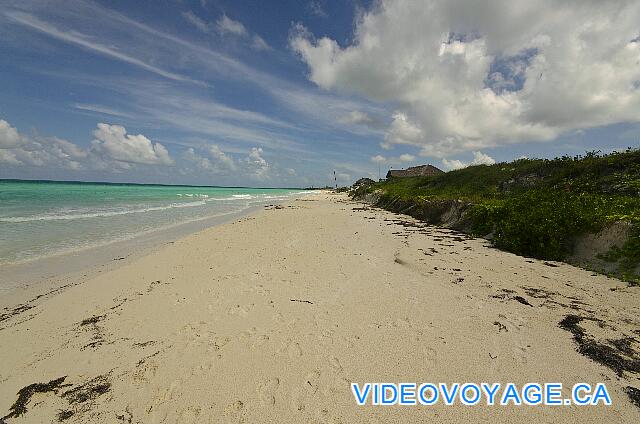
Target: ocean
[{"x": 45, "y": 218}]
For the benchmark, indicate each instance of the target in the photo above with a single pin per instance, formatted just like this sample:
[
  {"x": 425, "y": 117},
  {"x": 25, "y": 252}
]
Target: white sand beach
[{"x": 271, "y": 318}]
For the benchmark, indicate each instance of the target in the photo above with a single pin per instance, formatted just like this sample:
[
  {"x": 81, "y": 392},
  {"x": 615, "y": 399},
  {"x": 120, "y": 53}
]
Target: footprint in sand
[
  {"x": 311, "y": 381},
  {"x": 267, "y": 391},
  {"x": 429, "y": 356},
  {"x": 521, "y": 353},
  {"x": 234, "y": 412},
  {"x": 145, "y": 370},
  {"x": 173, "y": 390},
  {"x": 335, "y": 364},
  {"x": 189, "y": 415},
  {"x": 239, "y": 310},
  {"x": 260, "y": 290},
  {"x": 294, "y": 350},
  {"x": 326, "y": 338}
]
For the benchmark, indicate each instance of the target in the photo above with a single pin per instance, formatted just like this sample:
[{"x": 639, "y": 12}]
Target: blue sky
[{"x": 284, "y": 93}]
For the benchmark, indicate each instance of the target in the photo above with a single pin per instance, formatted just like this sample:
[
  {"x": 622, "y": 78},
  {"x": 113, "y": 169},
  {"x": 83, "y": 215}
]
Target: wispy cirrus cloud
[
  {"x": 82, "y": 40},
  {"x": 145, "y": 47}
]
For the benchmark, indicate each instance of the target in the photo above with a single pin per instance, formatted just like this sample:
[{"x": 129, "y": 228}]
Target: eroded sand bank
[{"x": 270, "y": 318}]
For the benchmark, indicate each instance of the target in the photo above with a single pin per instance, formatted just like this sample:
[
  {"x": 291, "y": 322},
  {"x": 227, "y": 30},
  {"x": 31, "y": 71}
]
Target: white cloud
[
  {"x": 9, "y": 136},
  {"x": 113, "y": 142},
  {"x": 20, "y": 149},
  {"x": 402, "y": 131},
  {"x": 471, "y": 76},
  {"x": 9, "y": 157},
  {"x": 479, "y": 158},
  {"x": 221, "y": 157},
  {"x": 226, "y": 25},
  {"x": 257, "y": 165},
  {"x": 202, "y": 163},
  {"x": 356, "y": 117},
  {"x": 378, "y": 159},
  {"x": 406, "y": 157},
  {"x": 453, "y": 164}
]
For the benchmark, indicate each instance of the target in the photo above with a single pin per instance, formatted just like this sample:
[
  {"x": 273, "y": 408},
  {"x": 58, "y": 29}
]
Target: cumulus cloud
[
  {"x": 113, "y": 142},
  {"x": 9, "y": 136},
  {"x": 200, "y": 162},
  {"x": 257, "y": 165},
  {"x": 221, "y": 157},
  {"x": 479, "y": 158},
  {"x": 406, "y": 157},
  {"x": 471, "y": 76},
  {"x": 378, "y": 159},
  {"x": 21, "y": 149},
  {"x": 453, "y": 164}
]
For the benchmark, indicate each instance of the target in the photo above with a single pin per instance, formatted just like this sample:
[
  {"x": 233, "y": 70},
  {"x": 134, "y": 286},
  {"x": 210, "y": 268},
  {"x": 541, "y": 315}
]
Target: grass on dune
[{"x": 535, "y": 207}]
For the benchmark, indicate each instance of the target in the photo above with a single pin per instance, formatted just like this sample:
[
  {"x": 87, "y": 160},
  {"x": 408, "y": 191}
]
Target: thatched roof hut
[{"x": 414, "y": 171}]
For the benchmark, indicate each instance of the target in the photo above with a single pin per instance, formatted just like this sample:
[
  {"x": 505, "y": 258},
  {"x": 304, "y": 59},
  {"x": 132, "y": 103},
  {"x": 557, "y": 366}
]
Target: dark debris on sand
[
  {"x": 79, "y": 397},
  {"x": 93, "y": 320},
  {"x": 15, "y": 311},
  {"x": 24, "y": 395},
  {"x": 634, "y": 395},
  {"x": 88, "y": 391},
  {"x": 522, "y": 300},
  {"x": 64, "y": 415},
  {"x": 619, "y": 356}
]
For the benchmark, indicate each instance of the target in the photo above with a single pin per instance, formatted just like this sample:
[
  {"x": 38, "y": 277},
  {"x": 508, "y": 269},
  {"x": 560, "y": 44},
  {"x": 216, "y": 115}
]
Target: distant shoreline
[{"x": 144, "y": 184}]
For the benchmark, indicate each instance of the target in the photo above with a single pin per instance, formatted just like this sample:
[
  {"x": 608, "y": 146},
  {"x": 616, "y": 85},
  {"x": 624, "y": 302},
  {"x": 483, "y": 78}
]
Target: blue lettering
[
  {"x": 581, "y": 400},
  {"x": 384, "y": 389},
  {"x": 361, "y": 398},
  {"x": 601, "y": 392},
  {"x": 407, "y": 394},
  {"x": 553, "y": 394},
  {"x": 422, "y": 389},
  {"x": 511, "y": 394},
  {"x": 449, "y": 396},
  {"x": 490, "y": 391},
  {"x": 465, "y": 389},
  {"x": 532, "y": 394}
]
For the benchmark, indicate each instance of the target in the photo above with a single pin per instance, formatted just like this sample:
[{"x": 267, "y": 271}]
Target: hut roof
[{"x": 414, "y": 171}]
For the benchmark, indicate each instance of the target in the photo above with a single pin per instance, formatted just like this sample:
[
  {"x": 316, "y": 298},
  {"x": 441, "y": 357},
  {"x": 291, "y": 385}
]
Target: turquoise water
[{"x": 44, "y": 218}]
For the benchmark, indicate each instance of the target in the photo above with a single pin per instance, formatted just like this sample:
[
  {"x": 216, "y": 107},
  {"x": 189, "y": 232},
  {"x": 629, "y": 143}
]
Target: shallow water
[{"x": 40, "y": 219}]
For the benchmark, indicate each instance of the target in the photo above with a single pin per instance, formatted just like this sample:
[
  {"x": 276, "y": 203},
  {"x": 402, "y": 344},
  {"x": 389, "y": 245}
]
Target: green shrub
[
  {"x": 536, "y": 207},
  {"x": 542, "y": 223}
]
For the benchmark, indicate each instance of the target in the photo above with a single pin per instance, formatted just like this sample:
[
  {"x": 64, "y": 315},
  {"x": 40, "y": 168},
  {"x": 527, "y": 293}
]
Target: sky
[{"x": 282, "y": 94}]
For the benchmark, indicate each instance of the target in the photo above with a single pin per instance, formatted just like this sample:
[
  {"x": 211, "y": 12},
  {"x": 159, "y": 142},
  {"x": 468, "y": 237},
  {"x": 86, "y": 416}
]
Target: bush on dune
[{"x": 536, "y": 207}]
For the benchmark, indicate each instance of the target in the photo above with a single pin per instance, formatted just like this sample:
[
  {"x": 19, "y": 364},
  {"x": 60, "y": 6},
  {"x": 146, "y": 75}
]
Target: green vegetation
[{"x": 536, "y": 207}]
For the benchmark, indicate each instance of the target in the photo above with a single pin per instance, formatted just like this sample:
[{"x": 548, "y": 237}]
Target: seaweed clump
[
  {"x": 620, "y": 357},
  {"x": 24, "y": 395}
]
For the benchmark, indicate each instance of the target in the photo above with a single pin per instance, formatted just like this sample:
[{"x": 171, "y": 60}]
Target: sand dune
[{"x": 272, "y": 317}]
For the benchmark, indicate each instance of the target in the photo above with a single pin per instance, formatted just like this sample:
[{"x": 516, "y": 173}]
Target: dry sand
[{"x": 270, "y": 318}]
